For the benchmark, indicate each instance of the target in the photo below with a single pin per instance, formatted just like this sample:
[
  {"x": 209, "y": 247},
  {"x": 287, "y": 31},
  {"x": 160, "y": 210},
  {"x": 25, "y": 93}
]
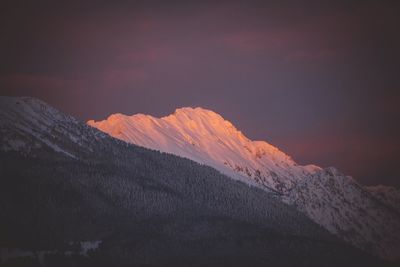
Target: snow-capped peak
[{"x": 206, "y": 137}]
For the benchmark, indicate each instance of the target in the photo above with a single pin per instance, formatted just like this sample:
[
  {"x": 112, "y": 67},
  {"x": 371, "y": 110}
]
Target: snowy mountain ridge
[
  {"x": 349, "y": 210},
  {"x": 206, "y": 137},
  {"x": 28, "y": 124}
]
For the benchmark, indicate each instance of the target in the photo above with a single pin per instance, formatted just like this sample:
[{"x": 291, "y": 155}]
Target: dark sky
[{"x": 320, "y": 81}]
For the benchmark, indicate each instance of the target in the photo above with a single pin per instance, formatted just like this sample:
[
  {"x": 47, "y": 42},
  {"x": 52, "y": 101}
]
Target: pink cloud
[
  {"x": 40, "y": 82},
  {"x": 251, "y": 41},
  {"x": 290, "y": 46},
  {"x": 357, "y": 155},
  {"x": 310, "y": 55},
  {"x": 118, "y": 78},
  {"x": 139, "y": 56}
]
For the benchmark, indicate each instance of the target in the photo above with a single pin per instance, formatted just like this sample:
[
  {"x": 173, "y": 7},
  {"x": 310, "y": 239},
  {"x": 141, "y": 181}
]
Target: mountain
[
  {"x": 29, "y": 125},
  {"x": 205, "y": 137},
  {"x": 366, "y": 217},
  {"x": 65, "y": 183},
  {"x": 349, "y": 210},
  {"x": 386, "y": 194}
]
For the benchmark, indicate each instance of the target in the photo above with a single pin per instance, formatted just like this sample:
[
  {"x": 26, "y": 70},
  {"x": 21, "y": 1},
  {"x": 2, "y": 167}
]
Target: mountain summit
[{"x": 206, "y": 137}]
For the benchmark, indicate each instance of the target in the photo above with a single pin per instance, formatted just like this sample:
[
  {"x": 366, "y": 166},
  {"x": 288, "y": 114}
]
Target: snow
[
  {"x": 28, "y": 123},
  {"x": 13, "y": 145},
  {"x": 13, "y": 253},
  {"x": 87, "y": 246},
  {"x": 387, "y": 194},
  {"x": 347, "y": 209},
  {"x": 206, "y": 137}
]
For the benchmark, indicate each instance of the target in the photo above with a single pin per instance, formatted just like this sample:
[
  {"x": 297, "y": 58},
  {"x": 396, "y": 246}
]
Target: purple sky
[{"x": 320, "y": 81}]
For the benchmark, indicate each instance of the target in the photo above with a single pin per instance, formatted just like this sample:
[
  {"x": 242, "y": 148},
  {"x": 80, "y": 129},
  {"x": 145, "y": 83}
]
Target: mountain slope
[
  {"x": 205, "y": 137},
  {"x": 387, "y": 194},
  {"x": 28, "y": 125},
  {"x": 348, "y": 210},
  {"x": 365, "y": 217},
  {"x": 67, "y": 182}
]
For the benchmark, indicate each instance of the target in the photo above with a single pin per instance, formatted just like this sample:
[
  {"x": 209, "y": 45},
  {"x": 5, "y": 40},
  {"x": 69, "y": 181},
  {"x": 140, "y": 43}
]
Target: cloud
[
  {"x": 252, "y": 42},
  {"x": 117, "y": 79},
  {"x": 39, "y": 82},
  {"x": 364, "y": 156}
]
